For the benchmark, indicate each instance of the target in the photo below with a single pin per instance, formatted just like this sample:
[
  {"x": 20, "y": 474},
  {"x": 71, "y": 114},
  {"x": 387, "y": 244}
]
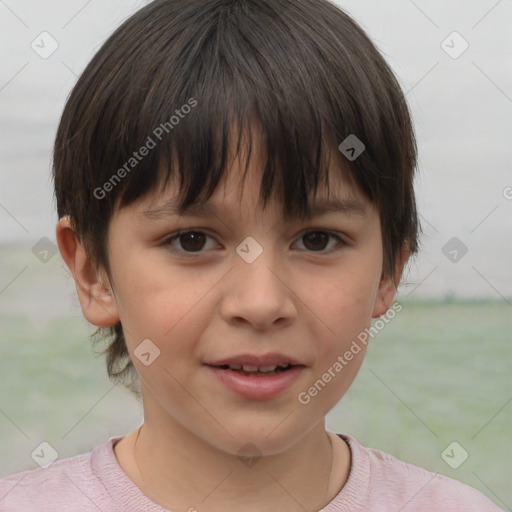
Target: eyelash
[{"x": 168, "y": 242}]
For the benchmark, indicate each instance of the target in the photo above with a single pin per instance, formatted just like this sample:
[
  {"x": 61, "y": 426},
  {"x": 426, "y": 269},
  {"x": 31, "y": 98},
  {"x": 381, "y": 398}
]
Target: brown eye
[
  {"x": 192, "y": 240},
  {"x": 318, "y": 241},
  {"x": 188, "y": 242}
]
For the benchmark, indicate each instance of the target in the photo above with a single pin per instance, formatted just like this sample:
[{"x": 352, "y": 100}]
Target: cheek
[
  {"x": 344, "y": 307},
  {"x": 344, "y": 303},
  {"x": 171, "y": 313},
  {"x": 156, "y": 302}
]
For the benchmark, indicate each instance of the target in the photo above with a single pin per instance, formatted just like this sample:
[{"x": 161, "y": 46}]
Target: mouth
[
  {"x": 257, "y": 377},
  {"x": 255, "y": 371}
]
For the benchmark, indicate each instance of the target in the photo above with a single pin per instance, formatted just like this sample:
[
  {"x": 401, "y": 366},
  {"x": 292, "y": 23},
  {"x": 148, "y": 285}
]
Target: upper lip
[{"x": 256, "y": 360}]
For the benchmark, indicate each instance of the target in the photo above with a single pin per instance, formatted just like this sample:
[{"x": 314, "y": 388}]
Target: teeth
[
  {"x": 265, "y": 369},
  {"x": 248, "y": 368}
]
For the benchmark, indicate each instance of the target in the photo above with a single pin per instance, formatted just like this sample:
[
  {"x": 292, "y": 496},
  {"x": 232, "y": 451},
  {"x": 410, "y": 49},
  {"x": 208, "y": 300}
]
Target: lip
[
  {"x": 258, "y": 387},
  {"x": 272, "y": 358}
]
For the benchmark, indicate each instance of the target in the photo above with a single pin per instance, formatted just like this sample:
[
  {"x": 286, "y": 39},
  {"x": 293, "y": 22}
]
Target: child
[{"x": 241, "y": 344}]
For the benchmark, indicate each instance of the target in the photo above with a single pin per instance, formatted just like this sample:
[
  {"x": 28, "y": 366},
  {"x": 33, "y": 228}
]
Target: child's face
[{"x": 295, "y": 299}]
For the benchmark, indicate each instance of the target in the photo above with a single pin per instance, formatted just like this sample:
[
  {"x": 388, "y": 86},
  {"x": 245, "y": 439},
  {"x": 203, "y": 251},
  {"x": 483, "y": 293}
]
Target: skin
[{"x": 292, "y": 299}]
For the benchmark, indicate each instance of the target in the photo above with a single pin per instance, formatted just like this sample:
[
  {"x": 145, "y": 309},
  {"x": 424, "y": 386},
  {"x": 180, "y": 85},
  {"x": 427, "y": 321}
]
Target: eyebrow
[{"x": 319, "y": 207}]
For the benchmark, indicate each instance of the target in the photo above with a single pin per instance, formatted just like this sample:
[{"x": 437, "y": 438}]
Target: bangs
[{"x": 293, "y": 165}]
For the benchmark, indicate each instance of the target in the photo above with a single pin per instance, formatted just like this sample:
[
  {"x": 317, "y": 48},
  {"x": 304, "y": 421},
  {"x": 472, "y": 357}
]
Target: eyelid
[{"x": 341, "y": 237}]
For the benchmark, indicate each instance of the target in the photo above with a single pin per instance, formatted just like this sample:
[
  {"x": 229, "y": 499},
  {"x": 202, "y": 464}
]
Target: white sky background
[{"x": 462, "y": 110}]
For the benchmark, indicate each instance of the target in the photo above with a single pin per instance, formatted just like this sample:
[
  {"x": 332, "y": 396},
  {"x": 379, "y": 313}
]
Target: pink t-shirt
[{"x": 377, "y": 481}]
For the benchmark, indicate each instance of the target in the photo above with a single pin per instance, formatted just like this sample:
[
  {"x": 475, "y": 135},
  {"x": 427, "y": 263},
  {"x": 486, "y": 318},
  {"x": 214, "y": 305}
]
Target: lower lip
[{"x": 259, "y": 387}]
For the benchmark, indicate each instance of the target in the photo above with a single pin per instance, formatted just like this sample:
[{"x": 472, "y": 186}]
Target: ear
[
  {"x": 389, "y": 284},
  {"x": 94, "y": 293}
]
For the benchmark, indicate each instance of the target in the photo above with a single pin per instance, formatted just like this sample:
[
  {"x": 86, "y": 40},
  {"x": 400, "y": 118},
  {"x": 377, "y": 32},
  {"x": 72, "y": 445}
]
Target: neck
[{"x": 183, "y": 472}]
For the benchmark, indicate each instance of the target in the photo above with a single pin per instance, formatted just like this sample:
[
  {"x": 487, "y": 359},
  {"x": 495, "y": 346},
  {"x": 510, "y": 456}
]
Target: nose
[{"x": 258, "y": 295}]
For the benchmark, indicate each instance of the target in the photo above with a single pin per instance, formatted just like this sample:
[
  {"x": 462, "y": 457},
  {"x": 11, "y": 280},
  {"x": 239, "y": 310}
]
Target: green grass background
[{"x": 438, "y": 372}]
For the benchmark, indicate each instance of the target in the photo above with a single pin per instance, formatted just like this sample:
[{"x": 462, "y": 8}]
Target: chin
[{"x": 258, "y": 437}]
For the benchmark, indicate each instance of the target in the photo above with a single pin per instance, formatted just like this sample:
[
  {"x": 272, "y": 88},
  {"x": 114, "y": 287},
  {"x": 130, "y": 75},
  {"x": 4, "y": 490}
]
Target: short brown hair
[{"x": 303, "y": 70}]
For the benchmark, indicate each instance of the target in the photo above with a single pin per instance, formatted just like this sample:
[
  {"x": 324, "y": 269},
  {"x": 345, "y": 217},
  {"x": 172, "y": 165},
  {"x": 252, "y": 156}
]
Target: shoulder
[
  {"x": 397, "y": 483},
  {"x": 70, "y": 480}
]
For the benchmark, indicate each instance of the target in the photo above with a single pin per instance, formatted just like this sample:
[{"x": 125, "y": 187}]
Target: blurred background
[{"x": 438, "y": 374}]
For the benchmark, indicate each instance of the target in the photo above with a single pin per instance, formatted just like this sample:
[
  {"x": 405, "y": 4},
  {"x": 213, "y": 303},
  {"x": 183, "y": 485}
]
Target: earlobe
[
  {"x": 95, "y": 296},
  {"x": 389, "y": 284},
  {"x": 385, "y": 296}
]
